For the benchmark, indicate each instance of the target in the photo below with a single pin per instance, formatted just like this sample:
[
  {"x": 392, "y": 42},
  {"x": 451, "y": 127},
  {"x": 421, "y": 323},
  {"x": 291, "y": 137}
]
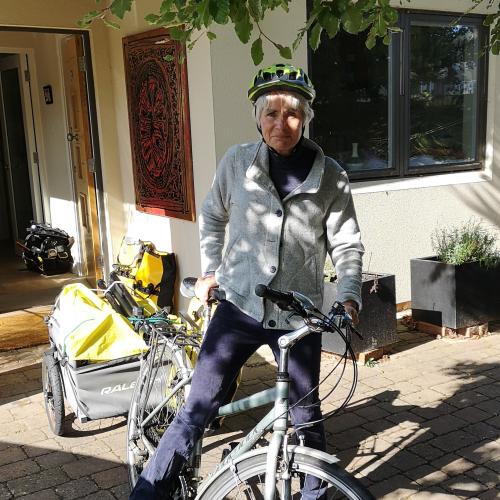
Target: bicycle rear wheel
[
  {"x": 247, "y": 481},
  {"x": 162, "y": 370}
]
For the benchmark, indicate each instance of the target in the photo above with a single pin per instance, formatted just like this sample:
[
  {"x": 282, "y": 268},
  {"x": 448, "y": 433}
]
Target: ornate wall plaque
[{"x": 158, "y": 109}]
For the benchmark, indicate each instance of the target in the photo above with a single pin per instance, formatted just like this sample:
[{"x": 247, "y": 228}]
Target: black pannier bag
[{"x": 47, "y": 250}]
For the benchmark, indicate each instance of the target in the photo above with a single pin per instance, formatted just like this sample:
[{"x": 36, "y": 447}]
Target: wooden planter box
[
  {"x": 377, "y": 320},
  {"x": 454, "y": 296}
]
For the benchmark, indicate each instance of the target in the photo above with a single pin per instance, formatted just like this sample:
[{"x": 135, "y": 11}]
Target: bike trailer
[{"x": 94, "y": 357}]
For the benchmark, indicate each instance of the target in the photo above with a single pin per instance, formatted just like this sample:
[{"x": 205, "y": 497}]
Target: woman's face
[{"x": 281, "y": 124}]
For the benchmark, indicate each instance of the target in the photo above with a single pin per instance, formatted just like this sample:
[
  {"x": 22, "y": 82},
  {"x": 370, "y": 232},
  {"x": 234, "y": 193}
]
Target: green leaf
[
  {"x": 152, "y": 18},
  {"x": 488, "y": 20},
  {"x": 390, "y": 15},
  {"x": 211, "y": 36},
  {"x": 166, "y": 18},
  {"x": 176, "y": 33},
  {"x": 315, "y": 35},
  {"x": 220, "y": 11},
  {"x": 381, "y": 26},
  {"x": 182, "y": 58},
  {"x": 329, "y": 22},
  {"x": 119, "y": 7},
  {"x": 339, "y": 7},
  {"x": 168, "y": 57},
  {"x": 370, "y": 41},
  {"x": 166, "y": 6},
  {"x": 285, "y": 52},
  {"x": 88, "y": 18},
  {"x": 257, "y": 52},
  {"x": 352, "y": 19},
  {"x": 387, "y": 39},
  {"x": 243, "y": 28},
  {"x": 110, "y": 24},
  {"x": 255, "y": 9}
]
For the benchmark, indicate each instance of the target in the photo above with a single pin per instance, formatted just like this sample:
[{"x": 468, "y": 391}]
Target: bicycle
[{"x": 248, "y": 470}]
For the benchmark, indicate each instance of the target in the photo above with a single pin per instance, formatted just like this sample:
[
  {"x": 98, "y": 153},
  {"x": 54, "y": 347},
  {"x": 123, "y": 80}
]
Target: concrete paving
[{"x": 424, "y": 423}]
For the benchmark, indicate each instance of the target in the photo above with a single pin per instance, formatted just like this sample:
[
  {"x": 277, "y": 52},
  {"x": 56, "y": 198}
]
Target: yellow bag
[{"x": 85, "y": 327}]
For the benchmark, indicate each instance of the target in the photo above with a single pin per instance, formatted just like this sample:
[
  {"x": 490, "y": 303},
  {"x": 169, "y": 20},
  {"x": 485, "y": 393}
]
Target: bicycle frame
[{"x": 276, "y": 420}]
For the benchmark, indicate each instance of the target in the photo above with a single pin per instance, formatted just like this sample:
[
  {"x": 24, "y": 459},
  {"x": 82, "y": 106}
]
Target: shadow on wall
[{"x": 483, "y": 200}]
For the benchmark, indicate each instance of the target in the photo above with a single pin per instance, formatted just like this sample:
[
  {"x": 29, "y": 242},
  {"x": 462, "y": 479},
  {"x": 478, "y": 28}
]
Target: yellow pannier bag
[{"x": 85, "y": 327}]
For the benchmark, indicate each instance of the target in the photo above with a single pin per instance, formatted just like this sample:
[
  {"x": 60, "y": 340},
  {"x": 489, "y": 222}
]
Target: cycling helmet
[{"x": 281, "y": 77}]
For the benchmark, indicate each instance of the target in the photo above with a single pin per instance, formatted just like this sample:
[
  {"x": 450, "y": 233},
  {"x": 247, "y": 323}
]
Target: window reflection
[
  {"x": 443, "y": 93},
  {"x": 352, "y": 108}
]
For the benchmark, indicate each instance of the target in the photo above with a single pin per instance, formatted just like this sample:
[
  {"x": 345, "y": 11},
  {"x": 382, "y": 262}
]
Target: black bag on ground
[{"x": 47, "y": 250}]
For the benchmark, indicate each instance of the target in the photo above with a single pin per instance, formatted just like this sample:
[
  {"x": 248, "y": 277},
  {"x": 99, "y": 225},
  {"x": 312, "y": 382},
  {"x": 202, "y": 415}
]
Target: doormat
[{"x": 24, "y": 328}]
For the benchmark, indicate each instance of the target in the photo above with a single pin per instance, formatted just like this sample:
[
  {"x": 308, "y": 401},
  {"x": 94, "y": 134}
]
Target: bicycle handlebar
[{"x": 284, "y": 300}]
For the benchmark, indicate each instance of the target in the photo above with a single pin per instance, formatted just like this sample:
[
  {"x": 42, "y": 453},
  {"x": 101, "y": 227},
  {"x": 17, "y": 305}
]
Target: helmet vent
[
  {"x": 279, "y": 73},
  {"x": 266, "y": 76},
  {"x": 292, "y": 76}
]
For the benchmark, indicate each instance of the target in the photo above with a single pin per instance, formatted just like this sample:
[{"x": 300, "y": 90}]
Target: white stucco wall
[{"x": 396, "y": 217}]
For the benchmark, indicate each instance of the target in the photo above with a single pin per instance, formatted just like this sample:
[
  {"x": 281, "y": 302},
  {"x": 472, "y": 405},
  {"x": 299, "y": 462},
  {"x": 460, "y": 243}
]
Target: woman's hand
[
  {"x": 351, "y": 308},
  {"x": 203, "y": 287}
]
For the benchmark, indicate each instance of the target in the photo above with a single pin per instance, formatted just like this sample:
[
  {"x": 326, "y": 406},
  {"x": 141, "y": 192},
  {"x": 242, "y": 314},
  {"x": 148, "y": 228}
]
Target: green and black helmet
[{"x": 281, "y": 77}]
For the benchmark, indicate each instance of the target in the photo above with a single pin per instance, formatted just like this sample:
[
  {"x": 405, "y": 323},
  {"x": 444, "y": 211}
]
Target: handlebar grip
[
  {"x": 282, "y": 299},
  {"x": 217, "y": 294}
]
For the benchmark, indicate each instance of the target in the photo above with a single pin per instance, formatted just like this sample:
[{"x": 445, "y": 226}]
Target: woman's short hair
[{"x": 295, "y": 101}]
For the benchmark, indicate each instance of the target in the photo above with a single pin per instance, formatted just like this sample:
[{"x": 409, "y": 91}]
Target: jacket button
[
  {"x": 271, "y": 323},
  {"x": 272, "y": 269},
  {"x": 279, "y": 212}
]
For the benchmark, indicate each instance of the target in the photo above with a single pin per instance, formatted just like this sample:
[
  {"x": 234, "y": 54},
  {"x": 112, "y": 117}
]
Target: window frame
[{"x": 399, "y": 109}]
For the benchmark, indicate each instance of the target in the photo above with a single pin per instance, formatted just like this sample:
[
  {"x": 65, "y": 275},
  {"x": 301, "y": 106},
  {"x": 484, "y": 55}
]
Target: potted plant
[
  {"x": 459, "y": 286},
  {"x": 377, "y": 321}
]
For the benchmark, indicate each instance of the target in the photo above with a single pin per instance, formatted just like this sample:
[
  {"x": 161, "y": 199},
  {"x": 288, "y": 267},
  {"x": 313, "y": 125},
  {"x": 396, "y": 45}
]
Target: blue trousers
[{"x": 232, "y": 337}]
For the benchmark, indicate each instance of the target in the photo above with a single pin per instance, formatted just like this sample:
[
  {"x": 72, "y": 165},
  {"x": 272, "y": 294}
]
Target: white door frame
[{"x": 32, "y": 130}]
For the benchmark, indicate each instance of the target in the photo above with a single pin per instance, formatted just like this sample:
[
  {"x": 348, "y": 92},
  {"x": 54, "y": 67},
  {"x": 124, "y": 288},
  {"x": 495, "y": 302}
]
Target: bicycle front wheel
[
  {"x": 163, "y": 369},
  {"x": 309, "y": 478}
]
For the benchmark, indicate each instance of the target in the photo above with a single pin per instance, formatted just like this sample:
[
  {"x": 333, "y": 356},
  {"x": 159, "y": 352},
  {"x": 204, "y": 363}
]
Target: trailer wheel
[{"x": 53, "y": 393}]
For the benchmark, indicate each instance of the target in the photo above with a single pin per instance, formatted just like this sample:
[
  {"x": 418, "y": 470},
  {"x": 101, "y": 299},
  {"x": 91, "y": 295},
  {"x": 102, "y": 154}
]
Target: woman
[{"x": 275, "y": 209}]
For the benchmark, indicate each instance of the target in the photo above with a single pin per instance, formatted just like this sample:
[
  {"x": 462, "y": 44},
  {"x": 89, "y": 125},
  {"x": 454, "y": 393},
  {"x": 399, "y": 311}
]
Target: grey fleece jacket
[{"x": 250, "y": 236}]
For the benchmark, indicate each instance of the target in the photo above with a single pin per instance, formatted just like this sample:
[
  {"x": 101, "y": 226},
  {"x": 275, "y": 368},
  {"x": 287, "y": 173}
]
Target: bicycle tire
[
  {"x": 161, "y": 371},
  {"x": 53, "y": 395},
  {"x": 248, "y": 479}
]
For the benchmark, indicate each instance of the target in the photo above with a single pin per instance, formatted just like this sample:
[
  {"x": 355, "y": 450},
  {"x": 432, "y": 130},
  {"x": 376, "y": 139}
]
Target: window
[{"x": 414, "y": 107}]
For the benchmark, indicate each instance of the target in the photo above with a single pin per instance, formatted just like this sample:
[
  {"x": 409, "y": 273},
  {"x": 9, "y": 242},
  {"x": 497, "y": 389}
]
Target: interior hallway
[{"x": 26, "y": 298}]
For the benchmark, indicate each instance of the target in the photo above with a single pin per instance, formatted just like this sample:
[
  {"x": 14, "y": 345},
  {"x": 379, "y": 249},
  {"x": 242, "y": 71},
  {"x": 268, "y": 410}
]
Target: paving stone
[
  {"x": 18, "y": 469},
  {"x": 41, "y": 495},
  {"x": 86, "y": 467},
  {"x": 397, "y": 487},
  {"x": 405, "y": 460},
  {"x": 463, "y": 485},
  {"x": 453, "y": 440},
  {"x": 489, "y": 406},
  {"x": 433, "y": 494},
  {"x": 100, "y": 495},
  {"x": 445, "y": 424},
  {"x": 453, "y": 465},
  {"x": 121, "y": 492},
  {"x": 481, "y": 452},
  {"x": 111, "y": 477},
  {"x": 484, "y": 475},
  {"x": 493, "y": 494},
  {"x": 12, "y": 454},
  {"x": 76, "y": 489},
  {"x": 426, "y": 476},
  {"x": 483, "y": 430},
  {"x": 4, "y": 492},
  {"x": 37, "y": 482},
  {"x": 426, "y": 450},
  {"x": 55, "y": 459},
  {"x": 471, "y": 414},
  {"x": 467, "y": 398}
]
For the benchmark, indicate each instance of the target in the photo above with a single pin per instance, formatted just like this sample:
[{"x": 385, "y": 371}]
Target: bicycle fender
[{"x": 291, "y": 449}]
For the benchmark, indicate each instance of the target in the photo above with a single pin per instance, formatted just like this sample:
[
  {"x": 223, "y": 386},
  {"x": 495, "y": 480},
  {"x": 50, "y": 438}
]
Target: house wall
[{"x": 396, "y": 217}]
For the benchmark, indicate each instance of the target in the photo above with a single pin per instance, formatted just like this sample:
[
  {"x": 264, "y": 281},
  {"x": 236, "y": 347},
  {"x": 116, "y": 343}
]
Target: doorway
[
  {"x": 57, "y": 177},
  {"x": 16, "y": 184}
]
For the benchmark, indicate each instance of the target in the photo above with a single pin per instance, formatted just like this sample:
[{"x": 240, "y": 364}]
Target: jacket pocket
[{"x": 235, "y": 266}]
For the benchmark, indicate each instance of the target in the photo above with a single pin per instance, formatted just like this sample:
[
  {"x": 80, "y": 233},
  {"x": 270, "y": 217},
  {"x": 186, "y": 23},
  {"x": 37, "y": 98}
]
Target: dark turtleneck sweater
[{"x": 289, "y": 172}]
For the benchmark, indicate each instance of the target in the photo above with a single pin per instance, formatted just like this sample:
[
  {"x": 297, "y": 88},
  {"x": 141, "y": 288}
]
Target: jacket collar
[{"x": 258, "y": 170}]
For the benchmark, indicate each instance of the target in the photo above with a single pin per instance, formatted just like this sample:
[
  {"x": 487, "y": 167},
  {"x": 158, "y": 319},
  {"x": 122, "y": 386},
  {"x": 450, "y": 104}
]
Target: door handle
[{"x": 71, "y": 137}]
